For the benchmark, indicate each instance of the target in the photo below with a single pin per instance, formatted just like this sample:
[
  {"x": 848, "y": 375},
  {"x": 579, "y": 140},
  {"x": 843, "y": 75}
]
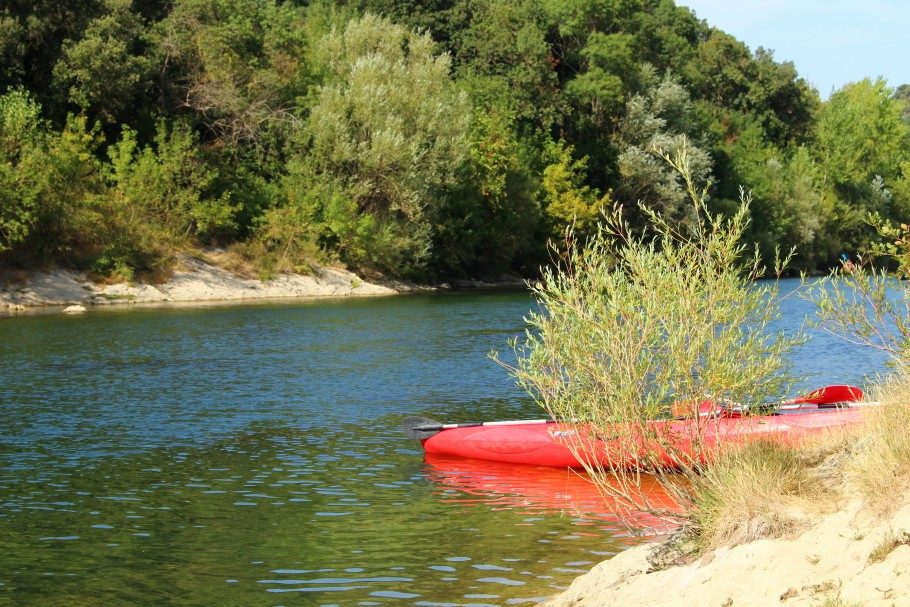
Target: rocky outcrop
[{"x": 194, "y": 281}]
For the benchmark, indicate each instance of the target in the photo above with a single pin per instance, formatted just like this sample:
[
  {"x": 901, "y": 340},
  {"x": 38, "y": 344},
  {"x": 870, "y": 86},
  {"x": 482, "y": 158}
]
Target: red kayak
[{"x": 548, "y": 443}]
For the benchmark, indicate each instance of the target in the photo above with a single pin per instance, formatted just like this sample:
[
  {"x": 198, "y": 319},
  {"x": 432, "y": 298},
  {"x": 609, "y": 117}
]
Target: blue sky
[{"x": 831, "y": 42}]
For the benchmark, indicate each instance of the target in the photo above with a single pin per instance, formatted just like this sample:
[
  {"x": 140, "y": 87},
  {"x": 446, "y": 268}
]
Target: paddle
[{"x": 423, "y": 428}]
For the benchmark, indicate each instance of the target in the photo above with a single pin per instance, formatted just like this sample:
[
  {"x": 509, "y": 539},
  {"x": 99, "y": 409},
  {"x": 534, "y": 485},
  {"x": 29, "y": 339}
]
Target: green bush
[
  {"x": 166, "y": 191},
  {"x": 52, "y": 204},
  {"x": 21, "y": 139},
  {"x": 292, "y": 235},
  {"x": 629, "y": 325}
]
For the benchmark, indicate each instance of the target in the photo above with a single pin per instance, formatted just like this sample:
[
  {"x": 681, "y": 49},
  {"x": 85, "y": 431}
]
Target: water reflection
[{"x": 542, "y": 491}]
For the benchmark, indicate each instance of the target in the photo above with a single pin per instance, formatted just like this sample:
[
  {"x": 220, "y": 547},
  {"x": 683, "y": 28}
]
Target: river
[{"x": 251, "y": 455}]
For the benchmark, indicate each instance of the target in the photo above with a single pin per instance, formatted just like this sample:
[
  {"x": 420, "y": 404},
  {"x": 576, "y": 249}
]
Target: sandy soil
[
  {"x": 851, "y": 557},
  {"x": 195, "y": 281}
]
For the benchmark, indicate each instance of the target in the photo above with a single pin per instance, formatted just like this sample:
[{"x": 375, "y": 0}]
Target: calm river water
[{"x": 251, "y": 455}]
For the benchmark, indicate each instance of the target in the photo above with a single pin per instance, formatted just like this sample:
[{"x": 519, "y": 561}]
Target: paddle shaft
[{"x": 512, "y": 422}]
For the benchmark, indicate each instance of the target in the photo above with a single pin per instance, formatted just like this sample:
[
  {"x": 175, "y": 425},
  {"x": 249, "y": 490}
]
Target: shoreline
[
  {"x": 198, "y": 283},
  {"x": 845, "y": 555}
]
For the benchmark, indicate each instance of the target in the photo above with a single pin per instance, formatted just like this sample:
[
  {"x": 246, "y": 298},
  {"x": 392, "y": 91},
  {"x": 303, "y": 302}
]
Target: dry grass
[
  {"x": 835, "y": 600},
  {"x": 881, "y": 462},
  {"x": 236, "y": 259},
  {"x": 250, "y": 259},
  {"x": 13, "y": 277},
  {"x": 887, "y": 546},
  {"x": 157, "y": 276},
  {"x": 766, "y": 489},
  {"x": 762, "y": 489},
  {"x": 827, "y": 456}
]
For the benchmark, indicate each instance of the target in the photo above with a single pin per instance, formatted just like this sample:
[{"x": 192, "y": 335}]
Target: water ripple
[{"x": 220, "y": 455}]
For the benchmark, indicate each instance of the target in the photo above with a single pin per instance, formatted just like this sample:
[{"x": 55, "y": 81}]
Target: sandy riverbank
[
  {"x": 193, "y": 281},
  {"x": 844, "y": 559}
]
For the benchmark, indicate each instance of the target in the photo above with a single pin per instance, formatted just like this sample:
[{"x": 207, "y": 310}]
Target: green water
[{"x": 252, "y": 456}]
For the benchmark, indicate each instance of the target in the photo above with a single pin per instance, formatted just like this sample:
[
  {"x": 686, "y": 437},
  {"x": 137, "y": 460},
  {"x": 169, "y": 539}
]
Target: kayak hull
[{"x": 550, "y": 444}]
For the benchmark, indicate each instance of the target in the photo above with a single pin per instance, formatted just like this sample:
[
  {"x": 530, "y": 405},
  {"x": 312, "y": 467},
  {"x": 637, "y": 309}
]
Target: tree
[
  {"x": 505, "y": 63},
  {"x": 658, "y": 121},
  {"x": 861, "y": 134},
  {"x": 240, "y": 66},
  {"x": 784, "y": 103},
  {"x": 790, "y": 209},
  {"x": 568, "y": 202},
  {"x": 103, "y": 71},
  {"x": 862, "y": 142},
  {"x": 31, "y": 38},
  {"x": 727, "y": 74},
  {"x": 719, "y": 72},
  {"x": 611, "y": 70},
  {"x": 902, "y": 93},
  {"x": 391, "y": 129},
  {"x": 493, "y": 219}
]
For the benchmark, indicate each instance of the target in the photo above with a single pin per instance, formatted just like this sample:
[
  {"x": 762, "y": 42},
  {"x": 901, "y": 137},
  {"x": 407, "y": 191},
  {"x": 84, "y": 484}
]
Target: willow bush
[
  {"x": 390, "y": 130},
  {"x": 631, "y": 324},
  {"x": 866, "y": 304}
]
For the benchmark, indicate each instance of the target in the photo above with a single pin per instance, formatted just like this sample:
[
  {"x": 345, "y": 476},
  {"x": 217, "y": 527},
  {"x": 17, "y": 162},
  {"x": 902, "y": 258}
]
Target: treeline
[{"x": 429, "y": 139}]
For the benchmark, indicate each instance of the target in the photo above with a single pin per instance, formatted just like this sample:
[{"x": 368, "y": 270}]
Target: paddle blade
[
  {"x": 420, "y": 428},
  {"x": 830, "y": 395}
]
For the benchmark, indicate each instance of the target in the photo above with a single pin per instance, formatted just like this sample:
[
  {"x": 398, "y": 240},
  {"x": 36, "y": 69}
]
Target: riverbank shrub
[
  {"x": 755, "y": 491},
  {"x": 52, "y": 203},
  {"x": 869, "y": 306},
  {"x": 20, "y": 134},
  {"x": 631, "y": 324}
]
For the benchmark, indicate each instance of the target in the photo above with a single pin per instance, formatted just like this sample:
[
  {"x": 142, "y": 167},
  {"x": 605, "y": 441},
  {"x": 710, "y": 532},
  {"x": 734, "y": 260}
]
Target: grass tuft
[
  {"x": 762, "y": 489},
  {"x": 880, "y": 465}
]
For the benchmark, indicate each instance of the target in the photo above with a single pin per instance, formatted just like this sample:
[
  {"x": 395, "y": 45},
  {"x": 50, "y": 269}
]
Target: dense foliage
[{"x": 433, "y": 139}]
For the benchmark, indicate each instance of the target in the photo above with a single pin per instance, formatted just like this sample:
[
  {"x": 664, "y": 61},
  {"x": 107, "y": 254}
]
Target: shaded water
[{"x": 252, "y": 455}]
